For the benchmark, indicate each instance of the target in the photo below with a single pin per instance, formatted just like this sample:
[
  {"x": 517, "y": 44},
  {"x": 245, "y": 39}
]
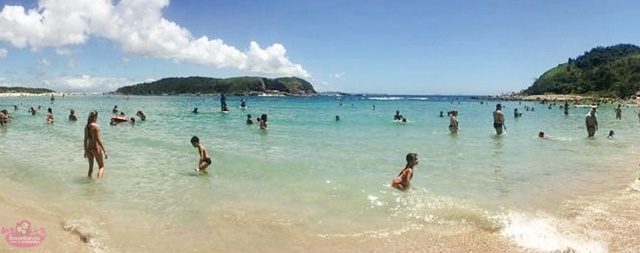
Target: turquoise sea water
[{"x": 310, "y": 179}]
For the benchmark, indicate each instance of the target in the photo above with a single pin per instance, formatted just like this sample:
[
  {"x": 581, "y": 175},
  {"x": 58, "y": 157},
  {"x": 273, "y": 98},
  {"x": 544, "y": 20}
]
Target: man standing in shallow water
[
  {"x": 591, "y": 122},
  {"x": 93, "y": 148},
  {"x": 498, "y": 119}
]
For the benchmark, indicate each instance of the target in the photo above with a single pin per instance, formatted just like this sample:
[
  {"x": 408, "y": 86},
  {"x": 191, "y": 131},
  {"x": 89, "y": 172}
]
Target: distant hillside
[
  {"x": 24, "y": 90},
  {"x": 233, "y": 86},
  {"x": 604, "y": 71}
]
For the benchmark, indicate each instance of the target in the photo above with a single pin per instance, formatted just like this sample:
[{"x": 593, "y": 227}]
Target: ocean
[{"x": 310, "y": 183}]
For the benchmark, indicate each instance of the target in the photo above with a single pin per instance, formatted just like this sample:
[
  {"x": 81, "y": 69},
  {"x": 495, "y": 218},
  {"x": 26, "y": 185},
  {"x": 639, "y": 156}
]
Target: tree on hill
[{"x": 604, "y": 71}]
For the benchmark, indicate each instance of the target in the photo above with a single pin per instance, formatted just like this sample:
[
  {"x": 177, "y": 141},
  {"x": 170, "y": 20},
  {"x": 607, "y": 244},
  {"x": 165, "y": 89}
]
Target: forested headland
[
  {"x": 612, "y": 71},
  {"x": 25, "y": 90},
  {"x": 232, "y": 86}
]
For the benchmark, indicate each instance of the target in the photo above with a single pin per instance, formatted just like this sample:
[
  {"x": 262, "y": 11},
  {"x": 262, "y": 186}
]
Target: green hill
[
  {"x": 207, "y": 85},
  {"x": 24, "y": 90},
  {"x": 603, "y": 71}
]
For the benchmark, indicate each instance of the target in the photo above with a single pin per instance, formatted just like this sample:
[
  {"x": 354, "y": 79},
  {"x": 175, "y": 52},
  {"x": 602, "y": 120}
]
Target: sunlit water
[{"x": 310, "y": 179}]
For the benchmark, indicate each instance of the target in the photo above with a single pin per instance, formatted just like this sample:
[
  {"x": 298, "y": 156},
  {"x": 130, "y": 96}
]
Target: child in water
[
  {"x": 403, "y": 181},
  {"x": 205, "y": 160}
]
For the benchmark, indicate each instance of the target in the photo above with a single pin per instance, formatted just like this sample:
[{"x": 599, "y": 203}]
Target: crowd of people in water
[{"x": 94, "y": 149}]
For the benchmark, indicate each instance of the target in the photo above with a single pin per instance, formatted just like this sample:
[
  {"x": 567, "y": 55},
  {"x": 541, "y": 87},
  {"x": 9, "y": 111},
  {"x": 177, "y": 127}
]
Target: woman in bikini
[
  {"x": 403, "y": 181},
  {"x": 93, "y": 147}
]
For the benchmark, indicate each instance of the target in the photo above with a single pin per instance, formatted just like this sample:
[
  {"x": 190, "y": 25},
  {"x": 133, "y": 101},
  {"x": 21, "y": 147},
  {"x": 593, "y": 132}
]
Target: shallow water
[{"x": 312, "y": 182}]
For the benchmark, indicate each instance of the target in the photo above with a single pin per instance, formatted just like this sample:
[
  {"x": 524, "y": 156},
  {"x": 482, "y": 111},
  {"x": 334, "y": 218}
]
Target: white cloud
[
  {"x": 137, "y": 27},
  {"x": 44, "y": 62},
  {"x": 3, "y": 53},
  {"x": 87, "y": 83},
  {"x": 338, "y": 75}
]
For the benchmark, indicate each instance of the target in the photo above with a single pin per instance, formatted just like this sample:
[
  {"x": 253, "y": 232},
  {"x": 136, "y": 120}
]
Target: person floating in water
[
  {"x": 453, "y": 121},
  {"x": 32, "y": 111},
  {"x": 243, "y": 104},
  {"x": 72, "y": 115},
  {"x": 337, "y": 118},
  {"x": 115, "y": 110},
  {"x": 591, "y": 121},
  {"x": 204, "y": 160},
  {"x": 541, "y": 135},
  {"x": 249, "y": 120},
  {"x": 498, "y": 120},
  {"x": 115, "y": 119},
  {"x": 403, "y": 180},
  {"x": 93, "y": 146},
  {"x": 195, "y": 110}
]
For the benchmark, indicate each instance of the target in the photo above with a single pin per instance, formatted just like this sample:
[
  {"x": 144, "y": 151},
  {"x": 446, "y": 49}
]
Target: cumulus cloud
[
  {"x": 137, "y": 27},
  {"x": 88, "y": 83},
  {"x": 3, "y": 53}
]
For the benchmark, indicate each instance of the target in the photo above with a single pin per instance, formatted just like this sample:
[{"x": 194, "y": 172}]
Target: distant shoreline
[{"x": 26, "y": 94}]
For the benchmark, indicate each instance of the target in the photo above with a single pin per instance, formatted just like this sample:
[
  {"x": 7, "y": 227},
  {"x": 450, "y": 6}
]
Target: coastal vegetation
[
  {"x": 612, "y": 71},
  {"x": 25, "y": 90},
  {"x": 207, "y": 85}
]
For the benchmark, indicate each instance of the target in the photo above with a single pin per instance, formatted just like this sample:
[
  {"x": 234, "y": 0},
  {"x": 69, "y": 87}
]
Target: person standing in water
[
  {"x": 72, "y": 115},
  {"x": 453, "y": 122},
  {"x": 223, "y": 103},
  {"x": 591, "y": 121},
  {"x": 498, "y": 120},
  {"x": 93, "y": 146},
  {"x": 403, "y": 180},
  {"x": 618, "y": 112},
  {"x": 205, "y": 160},
  {"x": 50, "y": 115},
  {"x": 263, "y": 122}
]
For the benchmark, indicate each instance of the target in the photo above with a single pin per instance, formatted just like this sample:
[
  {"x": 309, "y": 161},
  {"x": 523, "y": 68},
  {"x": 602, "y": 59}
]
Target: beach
[{"x": 310, "y": 183}]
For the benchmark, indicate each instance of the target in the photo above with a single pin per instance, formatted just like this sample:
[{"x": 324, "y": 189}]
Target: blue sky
[{"x": 377, "y": 46}]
